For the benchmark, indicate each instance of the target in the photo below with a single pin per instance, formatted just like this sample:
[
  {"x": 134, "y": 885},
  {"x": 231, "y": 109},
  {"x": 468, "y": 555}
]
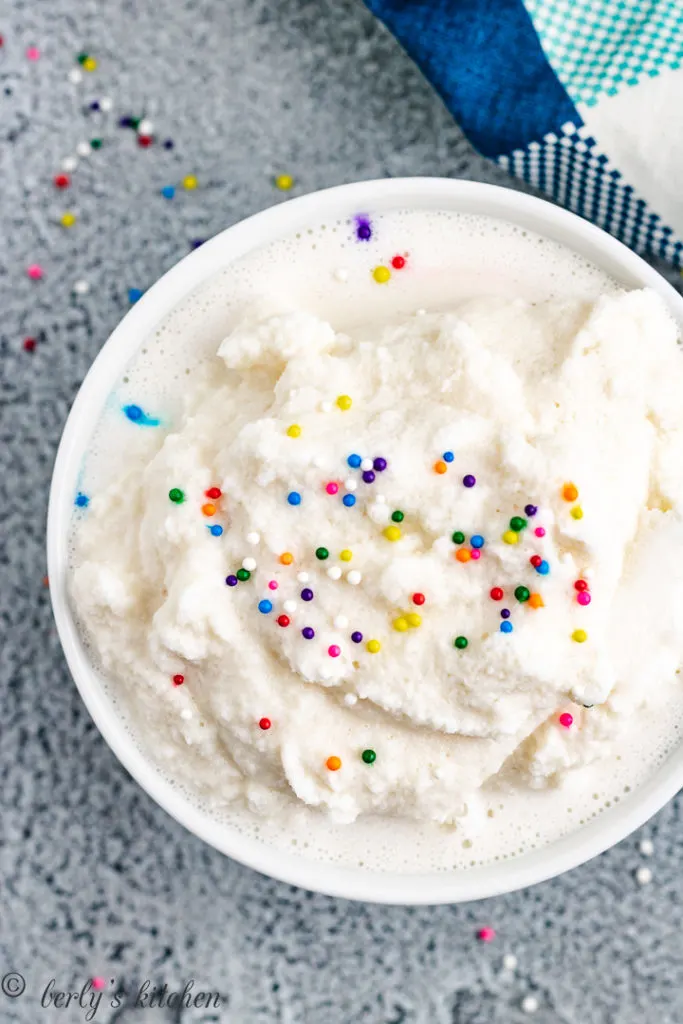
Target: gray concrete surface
[{"x": 96, "y": 880}]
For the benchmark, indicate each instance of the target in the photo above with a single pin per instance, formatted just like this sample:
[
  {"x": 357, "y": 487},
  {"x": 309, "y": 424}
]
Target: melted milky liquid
[{"x": 327, "y": 270}]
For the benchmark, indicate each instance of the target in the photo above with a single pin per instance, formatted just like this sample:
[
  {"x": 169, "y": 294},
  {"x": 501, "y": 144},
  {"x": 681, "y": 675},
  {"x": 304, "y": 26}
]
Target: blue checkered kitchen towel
[{"x": 581, "y": 98}]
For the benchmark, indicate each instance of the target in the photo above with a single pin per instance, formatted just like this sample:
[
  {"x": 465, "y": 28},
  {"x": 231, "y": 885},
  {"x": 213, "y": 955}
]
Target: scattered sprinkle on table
[
  {"x": 284, "y": 182},
  {"x": 643, "y": 876}
]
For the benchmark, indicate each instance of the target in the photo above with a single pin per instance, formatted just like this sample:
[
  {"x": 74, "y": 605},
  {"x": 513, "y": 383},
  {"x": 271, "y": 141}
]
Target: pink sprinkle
[
  {"x": 584, "y": 597},
  {"x": 475, "y": 553},
  {"x": 540, "y": 531},
  {"x": 273, "y": 585},
  {"x": 33, "y": 53},
  {"x": 486, "y": 934},
  {"x": 98, "y": 983},
  {"x": 35, "y": 271},
  {"x": 334, "y": 651},
  {"x": 566, "y": 720},
  {"x": 332, "y": 488}
]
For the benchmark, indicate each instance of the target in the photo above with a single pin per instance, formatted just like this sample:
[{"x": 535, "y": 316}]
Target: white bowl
[{"x": 354, "y": 883}]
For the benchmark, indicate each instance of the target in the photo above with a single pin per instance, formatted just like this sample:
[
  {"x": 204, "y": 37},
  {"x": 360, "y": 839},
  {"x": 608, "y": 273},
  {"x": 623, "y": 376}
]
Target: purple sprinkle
[
  {"x": 169, "y": 143},
  {"x": 95, "y": 105},
  {"x": 232, "y": 581},
  {"x": 531, "y": 510},
  {"x": 306, "y": 594},
  {"x": 505, "y": 614},
  {"x": 357, "y": 637},
  {"x": 368, "y": 476},
  {"x": 126, "y": 122},
  {"x": 380, "y": 464},
  {"x": 196, "y": 242},
  {"x": 307, "y": 633},
  {"x": 469, "y": 480},
  {"x": 363, "y": 228}
]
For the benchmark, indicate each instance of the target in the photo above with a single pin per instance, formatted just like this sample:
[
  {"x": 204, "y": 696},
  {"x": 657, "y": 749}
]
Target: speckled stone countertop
[{"x": 98, "y": 881}]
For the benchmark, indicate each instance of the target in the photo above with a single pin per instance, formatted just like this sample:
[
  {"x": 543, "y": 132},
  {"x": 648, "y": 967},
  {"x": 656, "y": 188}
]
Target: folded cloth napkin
[{"x": 581, "y": 98}]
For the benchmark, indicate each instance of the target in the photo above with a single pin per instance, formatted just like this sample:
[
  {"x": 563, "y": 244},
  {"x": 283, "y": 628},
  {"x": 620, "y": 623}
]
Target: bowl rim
[{"x": 611, "y": 825}]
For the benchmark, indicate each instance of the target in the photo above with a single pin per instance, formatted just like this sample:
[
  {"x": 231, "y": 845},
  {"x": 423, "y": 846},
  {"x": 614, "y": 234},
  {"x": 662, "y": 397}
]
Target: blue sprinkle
[
  {"x": 134, "y": 294},
  {"x": 82, "y": 500},
  {"x": 448, "y": 456},
  {"x": 294, "y": 498},
  {"x": 349, "y": 500},
  {"x": 216, "y": 530},
  {"x": 168, "y": 191},
  {"x": 477, "y": 541},
  {"x": 136, "y": 415},
  {"x": 506, "y": 627},
  {"x": 543, "y": 569},
  {"x": 354, "y": 461},
  {"x": 265, "y": 606}
]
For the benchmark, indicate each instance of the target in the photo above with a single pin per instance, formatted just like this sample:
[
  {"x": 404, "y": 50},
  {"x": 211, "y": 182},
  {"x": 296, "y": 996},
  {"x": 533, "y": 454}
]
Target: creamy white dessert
[{"x": 392, "y": 569}]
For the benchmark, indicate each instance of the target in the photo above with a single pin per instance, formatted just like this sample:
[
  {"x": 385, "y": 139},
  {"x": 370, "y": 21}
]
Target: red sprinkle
[
  {"x": 566, "y": 720},
  {"x": 144, "y": 141},
  {"x": 213, "y": 492},
  {"x": 581, "y": 585},
  {"x": 398, "y": 262},
  {"x": 486, "y": 934},
  {"x": 178, "y": 680},
  {"x": 265, "y": 723},
  {"x": 418, "y": 598},
  {"x": 29, "y": 344},
  {"x": 535, "y": 560},
  {"x": 497, "y": 594},
  {"x": 283, "y": 620},
  {"x": 62, "y": 180}
]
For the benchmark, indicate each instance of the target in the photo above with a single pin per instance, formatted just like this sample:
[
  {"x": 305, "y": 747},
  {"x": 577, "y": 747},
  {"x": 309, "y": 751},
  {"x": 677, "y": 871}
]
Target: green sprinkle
[
  {"x": 522, "y": 593},
  {"x": 460, "y": 642},
  {"x": 397, "y": 516},
  {"x": 322, "y": 554},
  {"x": 369, "y": 756},
  {"x": 458, "y": 537},
  {"x": 517, "y": 524},
  {"x": 135, "y": 122},
  {"x": 176, "y": 495},
  {"x": 96, "y": 143},
  {"x": 243, "y": 575},
  {"x": 82, "y": 57}
]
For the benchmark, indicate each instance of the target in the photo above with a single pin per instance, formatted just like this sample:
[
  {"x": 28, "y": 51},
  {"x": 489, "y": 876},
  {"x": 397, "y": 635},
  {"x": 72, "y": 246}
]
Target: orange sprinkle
[
  {"x": 46, "y": 581},
  {"x": 463, "y": 555},
  {"x": 209, "y": 509},
  {"x": 536, "y": 601},
  {"x": 440, "y": 466},
  {"x": 570, "y": 492},
  {"x": 286, "y": 558},
  {"x": 333, "y": 763}
]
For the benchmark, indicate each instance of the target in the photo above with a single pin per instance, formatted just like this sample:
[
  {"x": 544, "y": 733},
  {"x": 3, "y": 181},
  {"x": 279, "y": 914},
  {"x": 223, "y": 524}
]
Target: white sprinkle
[
  {"x": 106, "y": 104},
  {"x": 302, "y": 577},
  {"x": 81, "y": 287},
  {"x": 647, "y": 847},
  {"x": 253, "y": 538},
  {"x": 69, "y": 163},
  {"x": 351, "y": 484},
  {"x": 379, "y": 513},
  {"x": 380, "y": 499},
  {"x": 530, "y": 1004},
  {"x": 341, "y": 622},
  {"x": 249, "y": 563},
  {"x": 83, "y": 149},
  {"x": 289, "y": 606},
  {"x": 334, "y": 572},
  {"x": 186, "y": 714},
  {"x": 350, "y": 699},
  {"x": 341, "y": 274},
  {"x": 326, "y": 406},
  {"x": 354, "y": 577},
  {"x": 145, "y": 127},
  {"x": 75, "y": 76},
  {"x": 366, "y": 464},
  {"x": 509, "y": 961},
  {"x": 420, "y": 312},
  {"x": 643, "y": 876}
]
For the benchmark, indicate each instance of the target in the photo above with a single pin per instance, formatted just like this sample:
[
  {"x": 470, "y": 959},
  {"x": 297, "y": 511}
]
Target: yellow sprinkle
[
  {"x": 414, "y": 620},
  {"x": 190, "y": 182},
  {"x": 89, "y": 64},
  {"x": 344, "y": 402},
  {"x": 400, "y": 625},
  {"x": 381, "y": 274},
  {"x": 392, "y": 533},
  {"x": 510, "y": 537},
  {"x": 579, "y": 636},
  {"x": 576, "y": 512},
  {"x": 346, "y": 555},
  {"x": 284, "y": 182},
  {"x": 67, "y": 220},
  {"x": 373, "y": 646},
  {"x": 294, "y": 430}
]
